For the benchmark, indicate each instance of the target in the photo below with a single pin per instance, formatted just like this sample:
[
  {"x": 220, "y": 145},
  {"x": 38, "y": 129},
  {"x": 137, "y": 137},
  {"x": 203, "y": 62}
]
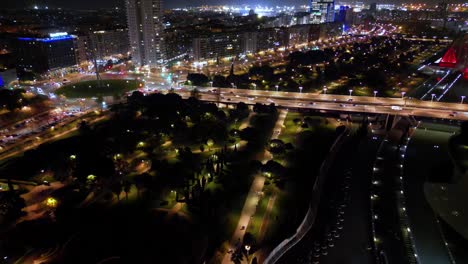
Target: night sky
[{"x": 91, "y": 4}]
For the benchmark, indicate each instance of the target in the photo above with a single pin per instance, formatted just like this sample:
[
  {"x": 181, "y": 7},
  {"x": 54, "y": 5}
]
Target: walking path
[{"x": 252, "y": 199}]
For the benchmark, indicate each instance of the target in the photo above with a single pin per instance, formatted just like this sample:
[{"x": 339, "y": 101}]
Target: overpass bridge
[{"x": 339, "y": 103}]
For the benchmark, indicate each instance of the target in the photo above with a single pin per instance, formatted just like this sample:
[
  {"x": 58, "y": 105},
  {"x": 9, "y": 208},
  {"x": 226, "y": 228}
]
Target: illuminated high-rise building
[
  {"x": 322, "y": 11},
  {"x": 145, "y": 30},
  {"x": 42, "y": 55}
]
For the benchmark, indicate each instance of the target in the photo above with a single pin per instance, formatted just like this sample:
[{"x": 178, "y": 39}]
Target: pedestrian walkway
[{"x": 252, "y": 199}]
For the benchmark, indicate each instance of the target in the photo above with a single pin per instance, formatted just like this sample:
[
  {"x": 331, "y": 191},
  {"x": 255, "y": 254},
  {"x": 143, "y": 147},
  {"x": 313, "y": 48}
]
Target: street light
[
  {"x": 432, "y": 97},
  {"x": 462, "y": 99},
  {"x": 350, "y": 92},
  {"x": 247, "y": 248},
  {"x": 300, "y": 89},
  {"x": 276, "y": 86},
  {"x": 403, "y": 95},
  {"x": 375, "y": 94}
]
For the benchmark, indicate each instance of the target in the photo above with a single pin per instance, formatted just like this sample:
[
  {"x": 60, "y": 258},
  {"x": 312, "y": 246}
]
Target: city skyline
[
  {"x": 233, "y": 132},
  {"x": 89, "y": 4}
]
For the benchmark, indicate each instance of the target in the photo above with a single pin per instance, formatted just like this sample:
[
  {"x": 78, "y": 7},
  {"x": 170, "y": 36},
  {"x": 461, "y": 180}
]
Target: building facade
[
  {"x": 40, "y": 55},
  {"x": 108, "y": 43},
  {"x": 322, "y": 11},
  {"x": 145, "y": 31},
  {"x": 217, "y": 46}
]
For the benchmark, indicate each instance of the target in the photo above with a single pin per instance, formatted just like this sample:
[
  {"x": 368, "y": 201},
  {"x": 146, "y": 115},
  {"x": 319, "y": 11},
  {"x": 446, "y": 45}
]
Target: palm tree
[
  {"x": 127, "y": 187},
  {"x": 117, "y": 189}
]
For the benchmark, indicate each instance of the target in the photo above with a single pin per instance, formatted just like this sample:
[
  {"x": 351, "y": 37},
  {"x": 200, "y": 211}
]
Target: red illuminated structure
[
  {"x": 456, "y": 56},
  {"x": 449, "y": 60}
]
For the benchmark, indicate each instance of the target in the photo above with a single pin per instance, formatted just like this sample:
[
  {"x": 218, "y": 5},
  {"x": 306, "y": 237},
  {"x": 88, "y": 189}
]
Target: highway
[{"x": 342, "y": 103}]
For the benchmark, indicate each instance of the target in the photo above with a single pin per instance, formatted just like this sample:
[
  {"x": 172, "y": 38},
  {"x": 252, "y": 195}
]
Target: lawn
[{"x": 90, "y": 89}]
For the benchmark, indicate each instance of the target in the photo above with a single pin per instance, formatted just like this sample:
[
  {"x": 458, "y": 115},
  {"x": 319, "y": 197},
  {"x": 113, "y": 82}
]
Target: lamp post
[
  {"x": 350, "y": 92},
  {"x": 375, "y": 95},
  {"x": 462, "y": 99},
  {"x": 432, "y": 97},
  {"x": 325, "y": 90},
  {"x": 300, "y": 89},
  {"x": 247, "y": 248},
  {"x": 255, "y": 86},
  {"x": 276, "y": 86},
  {"x": 403, "y": 95}
]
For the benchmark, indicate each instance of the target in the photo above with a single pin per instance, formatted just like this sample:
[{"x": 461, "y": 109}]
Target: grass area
[
  {"x": 291, "y": 129},
  {"x": 290, "y": 195},
  {"x": 90, "y": 89},
  {"x": 256, "y": 221}
]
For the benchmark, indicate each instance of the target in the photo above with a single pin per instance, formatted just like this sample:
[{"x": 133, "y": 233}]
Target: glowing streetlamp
[
  {"x": 403, "y": 95},
  {"x": 247, "y": 248},
  {"x": 51, "y": 202},
  {"x": 462, "y": 99},
  {"x": 432, "y": 97},
  {"x": 375, "y": 94},
  {"x": 325, "y": 90},
  {"x": 300, "y": 89},
  {"x": 350, "y": 92},
  {"x": 276, "y": 86}
]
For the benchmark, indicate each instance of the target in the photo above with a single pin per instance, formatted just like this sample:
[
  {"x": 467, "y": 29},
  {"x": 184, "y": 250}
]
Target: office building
[
  {"x": 217, "y": 46},
  {"x": 145, "y": 31},
  {"x": 109, "y": 43},
  {"x": 250, "y": 42},
  {"x": 41, "y": 55},
  {"x": 322, "y": 11}
]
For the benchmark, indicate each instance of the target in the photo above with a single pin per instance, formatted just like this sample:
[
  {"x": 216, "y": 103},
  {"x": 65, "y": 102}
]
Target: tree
[
  {"x": 116, "y": 188},
  {"x": 197, "y": 79},
  {"x": 220, "y": 81},
  {"x": 10, "y": 207},
  {"x": 210, "y": 143},
  {"x": 127, "y": 187}
]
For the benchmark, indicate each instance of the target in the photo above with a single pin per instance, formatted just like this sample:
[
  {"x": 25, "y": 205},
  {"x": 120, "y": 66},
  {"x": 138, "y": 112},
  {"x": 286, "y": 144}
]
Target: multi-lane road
[{"x": 342, "y": 103}]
